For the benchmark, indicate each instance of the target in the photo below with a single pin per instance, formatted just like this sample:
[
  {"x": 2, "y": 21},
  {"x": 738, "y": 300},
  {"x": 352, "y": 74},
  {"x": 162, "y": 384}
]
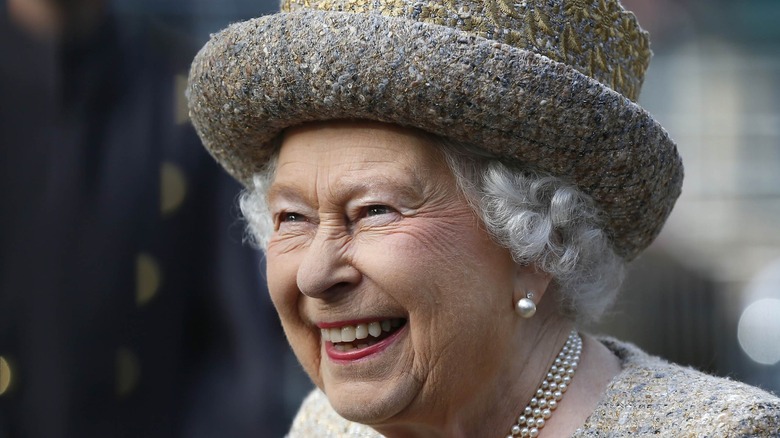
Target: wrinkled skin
[{"x": 369, "y": 223}]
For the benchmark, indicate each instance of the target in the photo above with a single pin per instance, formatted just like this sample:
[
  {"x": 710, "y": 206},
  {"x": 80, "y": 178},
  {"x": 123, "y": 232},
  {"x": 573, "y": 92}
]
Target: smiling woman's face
[{"x": 396, "y": 302}]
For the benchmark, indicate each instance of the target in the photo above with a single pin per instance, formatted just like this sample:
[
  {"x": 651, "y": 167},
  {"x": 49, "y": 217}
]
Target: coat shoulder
[{"x": 654, "y": 397}]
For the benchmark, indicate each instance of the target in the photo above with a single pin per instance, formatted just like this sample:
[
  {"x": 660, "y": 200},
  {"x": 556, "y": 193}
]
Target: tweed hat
[{"x": 549, "y": 84}]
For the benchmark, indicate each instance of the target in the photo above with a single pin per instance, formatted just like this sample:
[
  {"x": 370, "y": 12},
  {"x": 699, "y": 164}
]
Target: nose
[{"x": 326, "y": 269}]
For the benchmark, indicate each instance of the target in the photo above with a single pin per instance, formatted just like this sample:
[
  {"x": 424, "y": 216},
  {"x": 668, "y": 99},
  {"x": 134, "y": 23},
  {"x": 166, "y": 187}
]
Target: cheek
[
  {"x": 450, "y": 251},
  {"x": 410, "y": 259},
  {"x": 281, "y": 272},
  {"x": 443, "y": 271},
  {"x": 458, "y": 276},
  {"x": 282, "y": 285}
]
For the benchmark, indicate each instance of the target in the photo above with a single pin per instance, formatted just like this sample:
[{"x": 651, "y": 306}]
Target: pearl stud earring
[{"x": 526, "y": 307}]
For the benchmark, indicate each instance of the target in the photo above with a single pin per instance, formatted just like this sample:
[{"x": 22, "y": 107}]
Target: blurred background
[
  {"x": 130, "y": 307},
  {"x": 707, "y": 292}
]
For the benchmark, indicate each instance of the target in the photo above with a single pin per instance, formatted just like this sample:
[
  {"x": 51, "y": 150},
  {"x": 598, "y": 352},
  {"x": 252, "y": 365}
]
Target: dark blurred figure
[{"x": 126, "y": 309}]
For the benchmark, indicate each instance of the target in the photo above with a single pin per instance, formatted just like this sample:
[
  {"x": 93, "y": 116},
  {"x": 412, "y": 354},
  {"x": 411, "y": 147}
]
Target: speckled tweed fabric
[
  {"x": 545, "y": 83},
  {"x": 650, "y": 397}
]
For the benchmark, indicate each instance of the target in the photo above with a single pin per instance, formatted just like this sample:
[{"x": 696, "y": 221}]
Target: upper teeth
[{"x": 349, "y": 333}]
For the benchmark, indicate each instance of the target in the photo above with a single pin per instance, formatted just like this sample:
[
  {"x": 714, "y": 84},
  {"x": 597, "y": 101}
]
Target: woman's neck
[
  {"x": 494, "y": 409},
  {"x": 598, "y": 367}
]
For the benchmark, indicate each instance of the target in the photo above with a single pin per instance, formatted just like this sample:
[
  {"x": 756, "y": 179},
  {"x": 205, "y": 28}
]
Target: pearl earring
[{"x": 526, "y": 307}]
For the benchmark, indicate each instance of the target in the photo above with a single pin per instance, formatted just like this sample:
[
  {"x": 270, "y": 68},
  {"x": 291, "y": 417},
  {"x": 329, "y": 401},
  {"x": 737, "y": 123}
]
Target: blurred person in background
[{"x": 128, "y": 305}]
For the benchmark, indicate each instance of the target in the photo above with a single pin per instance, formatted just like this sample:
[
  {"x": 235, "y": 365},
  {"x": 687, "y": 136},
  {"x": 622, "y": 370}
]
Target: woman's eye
[
  {"x": 291, "y": 217},
  {"x": 376, "y": 210}
]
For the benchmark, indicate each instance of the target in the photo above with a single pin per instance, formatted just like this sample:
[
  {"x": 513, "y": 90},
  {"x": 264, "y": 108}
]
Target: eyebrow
[
  {"x": 285, "y": 191},
  {"x": 352, "y": 187}
]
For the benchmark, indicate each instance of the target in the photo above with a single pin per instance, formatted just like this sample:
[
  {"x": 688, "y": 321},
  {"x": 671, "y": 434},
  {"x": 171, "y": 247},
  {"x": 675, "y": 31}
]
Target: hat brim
[{"x": 258, "y": 77}]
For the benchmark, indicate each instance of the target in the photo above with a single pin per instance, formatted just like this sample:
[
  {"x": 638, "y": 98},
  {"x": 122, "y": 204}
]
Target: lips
[{"x": 353, "y": 341}]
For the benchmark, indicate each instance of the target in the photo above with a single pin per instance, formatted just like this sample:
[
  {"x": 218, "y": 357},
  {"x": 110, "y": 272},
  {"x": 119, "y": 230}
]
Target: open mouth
[{"x": 354, "y": 337}]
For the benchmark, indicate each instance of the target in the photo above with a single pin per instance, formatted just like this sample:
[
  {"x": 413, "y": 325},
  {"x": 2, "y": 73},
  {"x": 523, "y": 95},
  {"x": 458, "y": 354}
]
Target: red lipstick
[{"x": 359, "y": 353}]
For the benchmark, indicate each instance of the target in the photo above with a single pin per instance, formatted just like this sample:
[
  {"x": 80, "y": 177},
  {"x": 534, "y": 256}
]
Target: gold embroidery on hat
[
  {"x": 542, "y": 21},
  {"x": 594, "y": 36},
  {"x": 571, "y": 45},
  {"x": 577, "y": 9},
  {"x": 507, "y": 8}
]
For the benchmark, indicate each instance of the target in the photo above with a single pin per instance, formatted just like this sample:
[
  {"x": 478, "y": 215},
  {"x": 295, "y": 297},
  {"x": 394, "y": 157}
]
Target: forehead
[{"x": 353, "y": 147}]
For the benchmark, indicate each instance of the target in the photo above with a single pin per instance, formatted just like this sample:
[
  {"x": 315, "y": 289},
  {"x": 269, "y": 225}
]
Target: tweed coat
[{"x": 649, "y": 397}]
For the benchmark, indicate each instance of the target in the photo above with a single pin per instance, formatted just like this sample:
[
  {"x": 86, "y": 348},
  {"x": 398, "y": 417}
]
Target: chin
[{"x": 371, "y": 403}]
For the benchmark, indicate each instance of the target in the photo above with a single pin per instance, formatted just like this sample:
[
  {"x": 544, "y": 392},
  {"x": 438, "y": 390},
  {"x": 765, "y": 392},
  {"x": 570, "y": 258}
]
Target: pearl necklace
[{"x": 551, "y": 390}]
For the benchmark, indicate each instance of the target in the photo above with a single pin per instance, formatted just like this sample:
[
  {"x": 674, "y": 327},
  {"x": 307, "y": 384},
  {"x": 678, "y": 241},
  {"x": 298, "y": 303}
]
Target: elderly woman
[{"x": 444, "y": 190}]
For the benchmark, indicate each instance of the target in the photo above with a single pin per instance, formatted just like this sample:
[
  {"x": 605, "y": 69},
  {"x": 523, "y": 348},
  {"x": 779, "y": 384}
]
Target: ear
[{"x": 529, "y": 278}]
